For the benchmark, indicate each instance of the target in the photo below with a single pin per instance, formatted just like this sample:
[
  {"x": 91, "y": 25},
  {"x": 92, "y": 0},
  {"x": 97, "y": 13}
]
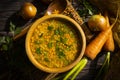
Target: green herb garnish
[
  {"x": 38, "y": 51},
  {"x": 46, "y": 59},
  {"x": 58, "y": 31},
  {"x": 63, "y": 40},
  {"x": 50, "y": 27},
  {"x": 50, "y": 45},
  {"x": 60, "y": 53}
]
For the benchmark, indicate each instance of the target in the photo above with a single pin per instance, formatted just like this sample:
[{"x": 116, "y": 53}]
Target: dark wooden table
[{"x": 17, "y": 66}]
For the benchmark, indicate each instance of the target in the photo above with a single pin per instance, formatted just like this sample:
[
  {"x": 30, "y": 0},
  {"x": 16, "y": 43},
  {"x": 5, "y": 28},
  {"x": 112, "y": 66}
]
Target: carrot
[
  {"x": 109, "y": 44},
  {"x": 95, "y": 46}
]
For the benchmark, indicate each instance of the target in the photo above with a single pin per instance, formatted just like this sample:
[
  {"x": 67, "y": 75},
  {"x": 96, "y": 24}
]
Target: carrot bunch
[{"x": 104, "y": 38}]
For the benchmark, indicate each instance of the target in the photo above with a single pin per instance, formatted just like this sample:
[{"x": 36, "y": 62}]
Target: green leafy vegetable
[
  {"x": 88, "y": 7},
  {"x": 12, "y": 27},
  {"x": 2, "y": 40},
  {"x": 5, "y": 42},
  {"x": 5, "y": 47},
  {"x": 15, "y": 30}
]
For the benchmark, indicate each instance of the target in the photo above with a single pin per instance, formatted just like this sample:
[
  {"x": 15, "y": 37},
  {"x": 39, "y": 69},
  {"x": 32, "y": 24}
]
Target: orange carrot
[
  {"x": 109, "y": 44},
  {"x": 95, "y": 46}
]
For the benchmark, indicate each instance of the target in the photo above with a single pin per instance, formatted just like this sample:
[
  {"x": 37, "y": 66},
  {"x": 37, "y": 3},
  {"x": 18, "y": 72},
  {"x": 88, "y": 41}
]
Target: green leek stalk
[
  {"x": 76, "y": 70},
  {"x": 104, "y": 67}
]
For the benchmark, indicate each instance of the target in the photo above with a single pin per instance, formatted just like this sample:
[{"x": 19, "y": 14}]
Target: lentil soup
[{"x": 55, "y": 43}]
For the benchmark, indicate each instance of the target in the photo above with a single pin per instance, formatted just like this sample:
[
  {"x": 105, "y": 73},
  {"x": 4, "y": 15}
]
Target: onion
[
  {"x": 97, "y": 22},
  {"x": 28, "y": 10}
]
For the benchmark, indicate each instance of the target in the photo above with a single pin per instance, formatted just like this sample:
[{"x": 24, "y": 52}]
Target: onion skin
[
  {"x": 97, "y": 22},
  {"x": 28, "y": 10}
]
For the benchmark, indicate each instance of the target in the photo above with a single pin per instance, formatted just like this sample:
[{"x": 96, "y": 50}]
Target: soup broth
[{"x": 55, "y": 43}]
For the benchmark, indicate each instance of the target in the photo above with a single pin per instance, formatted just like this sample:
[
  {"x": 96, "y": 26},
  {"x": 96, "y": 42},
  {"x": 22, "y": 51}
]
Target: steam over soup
[{"x": 55, "y": 43}]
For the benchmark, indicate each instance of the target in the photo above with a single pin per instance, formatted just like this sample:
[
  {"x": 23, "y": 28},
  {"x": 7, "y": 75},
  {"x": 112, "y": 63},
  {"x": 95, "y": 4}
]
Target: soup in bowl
[{"x": 55, "y": 43}]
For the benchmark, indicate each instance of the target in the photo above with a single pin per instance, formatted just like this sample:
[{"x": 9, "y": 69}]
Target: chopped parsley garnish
[
  {"x": 38, "y": 51},
  {"x": 50, "y": 45},
  {"x": 50, "y": 27}
]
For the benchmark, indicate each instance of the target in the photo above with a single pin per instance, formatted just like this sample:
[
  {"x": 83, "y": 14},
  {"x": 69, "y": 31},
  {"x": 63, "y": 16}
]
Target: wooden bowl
[{"x": 65, "y": 19}]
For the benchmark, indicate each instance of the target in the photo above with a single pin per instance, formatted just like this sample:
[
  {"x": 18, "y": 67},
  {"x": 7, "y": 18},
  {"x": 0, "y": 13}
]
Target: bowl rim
[{"x": 34, "y": 61}]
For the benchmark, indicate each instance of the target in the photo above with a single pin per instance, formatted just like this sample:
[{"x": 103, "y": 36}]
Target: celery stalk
[
  {"x": 82, "y": 65},
  {"x": 77, "y": 69}
]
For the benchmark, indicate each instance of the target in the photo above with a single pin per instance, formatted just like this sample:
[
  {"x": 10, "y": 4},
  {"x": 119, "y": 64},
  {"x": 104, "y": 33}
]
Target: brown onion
[
  {"x": 97, "y": 22},
  {"x": 28, "y": 10}
]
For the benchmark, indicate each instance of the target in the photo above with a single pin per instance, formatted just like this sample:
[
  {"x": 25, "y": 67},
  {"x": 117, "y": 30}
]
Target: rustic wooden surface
[{"x": 25, "y": 70}]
